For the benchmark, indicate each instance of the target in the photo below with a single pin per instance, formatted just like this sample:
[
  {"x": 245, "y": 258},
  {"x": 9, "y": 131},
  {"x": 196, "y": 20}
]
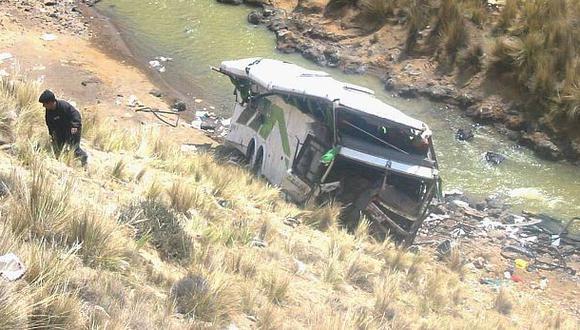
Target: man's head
[{"x": 48, "y": 100}]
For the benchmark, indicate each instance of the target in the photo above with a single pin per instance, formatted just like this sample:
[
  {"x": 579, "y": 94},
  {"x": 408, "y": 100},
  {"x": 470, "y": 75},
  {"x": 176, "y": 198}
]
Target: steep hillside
[{"x": 150, "y": 237}]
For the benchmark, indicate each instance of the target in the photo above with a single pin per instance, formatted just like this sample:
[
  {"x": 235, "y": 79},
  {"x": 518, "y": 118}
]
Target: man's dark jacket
[{"x": 61, "y": 120}]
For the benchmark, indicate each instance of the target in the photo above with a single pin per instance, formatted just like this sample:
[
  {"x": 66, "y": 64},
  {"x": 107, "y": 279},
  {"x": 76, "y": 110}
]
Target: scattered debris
[
  {"x": 292, "y": 222},
  {"x": 132, "y": 101},
  {"x": 11, "y": 268},
  {"x": 256, "y": 242}
]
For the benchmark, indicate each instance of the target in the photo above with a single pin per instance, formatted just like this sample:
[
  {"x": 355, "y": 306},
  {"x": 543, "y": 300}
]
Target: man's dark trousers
[{"x": 59, "y": 141}]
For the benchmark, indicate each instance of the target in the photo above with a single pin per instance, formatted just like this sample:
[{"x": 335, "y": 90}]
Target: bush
[
  {"x": 154, "y": 223},
  {"x": 374, "y": 13},
  {"x": 211, "y": 298},
  {"x": 41, "y": 208},
  {"x": 99, "y": 241}
]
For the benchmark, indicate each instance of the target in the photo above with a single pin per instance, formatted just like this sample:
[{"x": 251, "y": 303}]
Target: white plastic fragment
[
  {"x": 5, "y": 56},
  {"x": 11, "y": 268},
  {"x": 48, "y": 37}
]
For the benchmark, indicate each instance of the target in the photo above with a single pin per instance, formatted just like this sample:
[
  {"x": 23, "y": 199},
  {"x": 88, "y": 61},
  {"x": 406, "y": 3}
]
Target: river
[{"x": 201, "y": 33}]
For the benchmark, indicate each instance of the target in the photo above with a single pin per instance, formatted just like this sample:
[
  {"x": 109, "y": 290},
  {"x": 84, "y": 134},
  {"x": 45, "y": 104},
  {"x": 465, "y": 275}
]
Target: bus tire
[{"x": 258, "y": 161}]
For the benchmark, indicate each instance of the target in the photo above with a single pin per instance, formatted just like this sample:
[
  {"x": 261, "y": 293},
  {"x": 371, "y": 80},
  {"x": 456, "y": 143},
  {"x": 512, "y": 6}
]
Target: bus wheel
[
  {"x": 257, "y": 166},
  {"x": 250, "y": 151}
]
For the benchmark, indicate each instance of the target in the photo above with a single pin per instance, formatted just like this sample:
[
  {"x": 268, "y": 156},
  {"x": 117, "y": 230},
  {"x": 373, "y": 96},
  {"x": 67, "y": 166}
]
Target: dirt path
[{"x": 77, "y": 70}]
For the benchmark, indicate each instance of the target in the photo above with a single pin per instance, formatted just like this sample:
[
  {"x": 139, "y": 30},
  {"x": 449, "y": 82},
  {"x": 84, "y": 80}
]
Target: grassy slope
[
  {"x": 532, "y": 45},
  {"x": 149, "y": 237}
]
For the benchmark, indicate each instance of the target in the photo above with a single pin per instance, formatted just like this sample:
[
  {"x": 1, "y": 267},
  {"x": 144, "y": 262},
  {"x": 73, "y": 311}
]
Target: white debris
[
  {"x": 300, "y": 267},
  {"x": 461, "y": 203},
  {"x": 4, "y": 73},
  {"x": 196, "y": 123},
  {"x": 132, "y": 101},
  {"x": 164, "y": 59},
  {"x": 11, "y": 268},
  {"x": 5, "y": 56},
  {"x": 155, "y": 64},
  {"x": 48, "y": 37},
  {"x": 453, "y": 192}
]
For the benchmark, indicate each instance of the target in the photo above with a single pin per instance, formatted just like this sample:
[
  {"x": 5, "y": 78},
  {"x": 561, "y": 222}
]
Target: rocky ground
[{"x": 334, "y": 41}]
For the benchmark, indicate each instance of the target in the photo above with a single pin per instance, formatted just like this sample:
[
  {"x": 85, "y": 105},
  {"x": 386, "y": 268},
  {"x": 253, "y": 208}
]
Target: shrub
[
  {"x": 323, "y": 217},
  {"x": 374, "y": 13},
  {"x": 41, "y": 208},
  {"x": 153, "y": 222},
  {"x": 211, "y": 298},
  {"x": 503, "y": 302},
  {"x": 275, "y": 286},
  {"x": 98, "y": 238}
]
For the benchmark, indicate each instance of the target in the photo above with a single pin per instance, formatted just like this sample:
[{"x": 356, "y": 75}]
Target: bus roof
[{"x": 284, "y": 77}]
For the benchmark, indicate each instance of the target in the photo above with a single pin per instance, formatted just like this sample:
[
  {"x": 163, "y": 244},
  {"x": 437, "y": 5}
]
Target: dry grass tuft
[
  {"x": 503, "y": 302},
  {"x": 41, "y": 207},
  {"x": 323, "y": 217},
  {"x": 386, "y": 293},
  {"x": 275, "y": 285},
  {"x": 99, "y": 239},
  {"x": 210, "y": 298}
]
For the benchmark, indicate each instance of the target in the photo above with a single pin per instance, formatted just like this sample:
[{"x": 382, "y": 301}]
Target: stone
[
  {"x": 408, "y": 92},
  {"x": 156, "y": 93},
  {"x": 254, "y": 17},
  {"x": 542, "y": 145},
  {"x": 494, "y": 158},
  {"x": 231, "y": 2},
  {"x": 464, "y": 134},
  {"x": 179, "y": 106},
  {"x": 515, "y": 123}
]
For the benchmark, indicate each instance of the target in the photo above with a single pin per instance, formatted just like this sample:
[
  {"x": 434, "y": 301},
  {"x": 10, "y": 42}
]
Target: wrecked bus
[{"x": 318, "y": 138}]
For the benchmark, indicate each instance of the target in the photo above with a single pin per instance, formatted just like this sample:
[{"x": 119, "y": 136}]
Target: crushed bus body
[{"x": 319, "y": 138}]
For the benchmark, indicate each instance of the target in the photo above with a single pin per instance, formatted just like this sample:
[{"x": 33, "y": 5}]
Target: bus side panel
[
  {"x": 291, "y": 128},
  {"x": 240, "y": 134}
]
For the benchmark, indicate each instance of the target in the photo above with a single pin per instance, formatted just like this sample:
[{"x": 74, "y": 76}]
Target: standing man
[{"x": 64, "y": 125}]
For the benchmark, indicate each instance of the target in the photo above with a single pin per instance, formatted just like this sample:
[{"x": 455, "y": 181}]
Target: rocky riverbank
[{"x": 306, "y": 27}]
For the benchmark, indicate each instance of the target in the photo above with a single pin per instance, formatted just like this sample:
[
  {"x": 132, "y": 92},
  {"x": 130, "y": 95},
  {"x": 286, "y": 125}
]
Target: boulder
[
  {"x": 464, "y": 134},
  {"x": 494, "y": 158},
  {"x": 231, "y": 2},
  {"x": 254, "y": 17},
  {"x": 542, "y": 145},
  {"x": 408, "y": 92},
  {"x": 179, "y": 106}
]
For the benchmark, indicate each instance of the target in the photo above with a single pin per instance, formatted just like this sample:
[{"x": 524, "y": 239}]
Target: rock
[
  {"x": 179, "y": 106},
  {"x": 156, "y": 93},
  {"x": 479, "y": 263},
  {"x": 256, "y": 3},
  {"x": 464, "y": 134},
  {"x": 494, "y": 202},
  {"x": 515, "y": 123},
  {"x": 315, "y": 54},
  {"x": 494, "y": 158},
  {"x": 542, "y": 145},
  {"x": 50, "y": 3},
  {"x": 438, "y": 93},
  {"x": 332, "y": 56},
  {"x": 408, "y": 92},
  {"x": 254, "y": 17},
  {"x": 231, "y": 2}
]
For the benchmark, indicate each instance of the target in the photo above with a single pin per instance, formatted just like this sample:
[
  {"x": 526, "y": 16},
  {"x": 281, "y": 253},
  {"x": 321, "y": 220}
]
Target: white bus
[{"x": 316, "y": 137}]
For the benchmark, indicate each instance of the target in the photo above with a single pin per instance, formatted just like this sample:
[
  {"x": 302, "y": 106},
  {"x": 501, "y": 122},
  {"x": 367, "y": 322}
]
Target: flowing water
[{"x": 201, "y": 33}]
